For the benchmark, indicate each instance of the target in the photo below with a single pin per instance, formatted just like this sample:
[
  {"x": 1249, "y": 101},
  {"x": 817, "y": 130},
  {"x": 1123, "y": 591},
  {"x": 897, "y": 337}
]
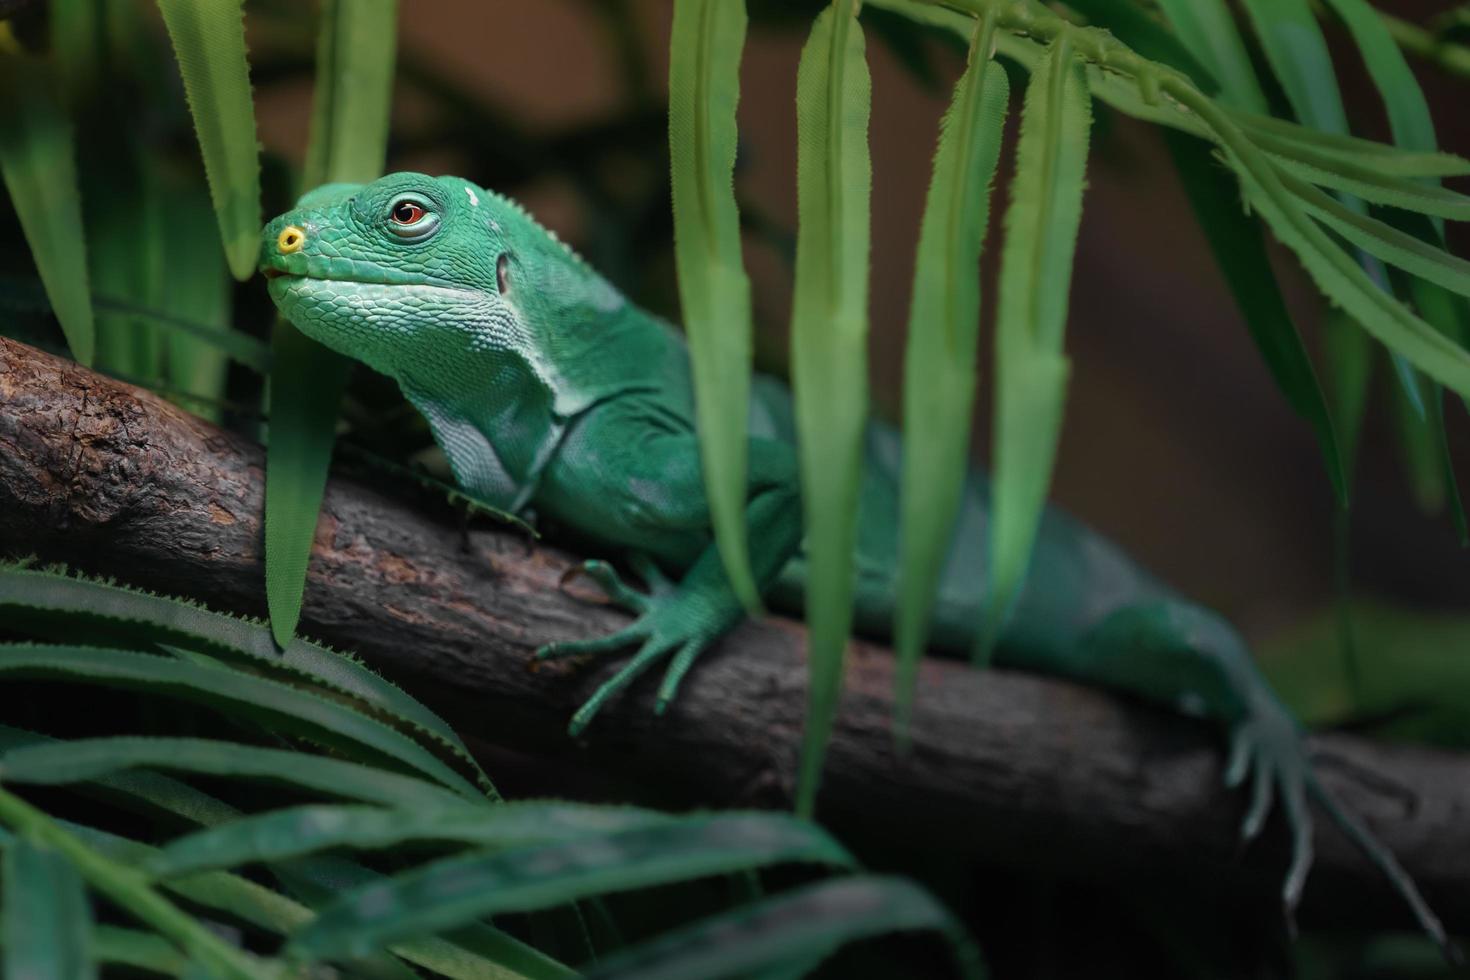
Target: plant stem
[{"x": 131, "y": 890}]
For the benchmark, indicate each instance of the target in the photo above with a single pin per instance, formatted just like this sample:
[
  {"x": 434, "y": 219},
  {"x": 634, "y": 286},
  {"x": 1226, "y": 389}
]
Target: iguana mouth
[{"x": 271, "y": 272}]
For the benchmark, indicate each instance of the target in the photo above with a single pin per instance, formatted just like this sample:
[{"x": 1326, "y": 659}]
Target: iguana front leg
[{"x": 641, "y": 486}]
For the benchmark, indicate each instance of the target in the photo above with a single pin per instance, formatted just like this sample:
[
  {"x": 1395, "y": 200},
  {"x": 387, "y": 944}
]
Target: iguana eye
[
  {"x": 407, "y": 213},
  {"x": 410, "y": 218}
]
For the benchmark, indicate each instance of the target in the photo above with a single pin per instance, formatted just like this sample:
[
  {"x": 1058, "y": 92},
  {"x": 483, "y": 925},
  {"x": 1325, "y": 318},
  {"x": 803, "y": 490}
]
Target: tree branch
[{"x": 1004, "y": 767}]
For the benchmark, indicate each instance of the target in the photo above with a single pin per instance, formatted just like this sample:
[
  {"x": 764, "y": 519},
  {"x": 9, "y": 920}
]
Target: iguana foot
[
  {"x": 673, "y": 621},
  {"x": 1267, "y": 745}
]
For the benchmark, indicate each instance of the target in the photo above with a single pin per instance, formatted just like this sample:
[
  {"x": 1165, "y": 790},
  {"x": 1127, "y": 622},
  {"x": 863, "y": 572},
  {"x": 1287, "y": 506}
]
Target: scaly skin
[{"x": 547, "y": 389}]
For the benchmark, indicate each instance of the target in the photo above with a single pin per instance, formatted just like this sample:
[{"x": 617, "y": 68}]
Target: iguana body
[{"x": 546, "y": 389}]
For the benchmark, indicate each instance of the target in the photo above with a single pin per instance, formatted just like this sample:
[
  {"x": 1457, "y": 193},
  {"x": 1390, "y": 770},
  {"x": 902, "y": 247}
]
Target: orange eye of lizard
[{"x": 407, "y": 213}]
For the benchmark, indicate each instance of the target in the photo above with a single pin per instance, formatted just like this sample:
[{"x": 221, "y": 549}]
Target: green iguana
[{"x": 547, "y": 389}]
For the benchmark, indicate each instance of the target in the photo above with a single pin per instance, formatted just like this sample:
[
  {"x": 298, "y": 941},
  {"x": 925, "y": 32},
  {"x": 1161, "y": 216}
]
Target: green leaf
[
  {"x": 944, "y": 333},
  {"x": 714, "y": 291},
  {"x": 1369, "y": 185},
  {"x": 446, "y": 893},
  {"x": 1343, "y": 281},
  {"x": 1350, "y": 368},
  {"x": 1329, "y": 151},
  {"x": 209, "y": 43},
  {"x": 829, "y": 336},
  {"x": 1408, "y": 110},
  {"x": 1297, "y": 51},
  {"x": 829, "y": 348},
  {"x": 354, "y": 86},
  {"x": 1240, "y": 252},
  {"x": 36, "y": 599},
  {"x": 296, "y": 831},
  {"x": 59, "y": 763},
  {"x": 237, "y": 897},
  {"x": 479, "y": 953},
  {"x": 38, "y": 165},
  {"x": 349, "y": 139},
  {"x": 139, "y": 950},
  {"x": 1208, "y": 30},
  {"x": 1413, "y": 129},
  {"x": 804, "y": 925},
  {"x": 279, "y": 707},
  {"x": 474, "y": 952},
  {"x": 198, "y": 293},
  {"x": 1035, "y": 278},
  {"x": 47, "y": 921},
  {"x": 1378, "y": 238}
]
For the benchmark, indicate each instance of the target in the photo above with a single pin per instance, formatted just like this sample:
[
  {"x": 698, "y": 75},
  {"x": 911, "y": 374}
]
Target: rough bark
[{"x": 1004, "y": 766}]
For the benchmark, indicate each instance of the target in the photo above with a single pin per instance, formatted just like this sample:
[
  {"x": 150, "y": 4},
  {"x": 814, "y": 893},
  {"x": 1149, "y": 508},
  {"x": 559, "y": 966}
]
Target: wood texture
[{"x": 1006, "y": 767}]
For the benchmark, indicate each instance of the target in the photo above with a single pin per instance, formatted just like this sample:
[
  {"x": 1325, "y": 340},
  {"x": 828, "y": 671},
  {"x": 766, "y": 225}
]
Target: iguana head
[{"x": 415, "y": 275}]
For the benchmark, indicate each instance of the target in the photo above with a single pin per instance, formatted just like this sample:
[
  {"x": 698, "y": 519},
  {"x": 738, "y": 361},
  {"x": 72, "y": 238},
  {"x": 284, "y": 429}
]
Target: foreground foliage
[{"x": 314, "y": 813}]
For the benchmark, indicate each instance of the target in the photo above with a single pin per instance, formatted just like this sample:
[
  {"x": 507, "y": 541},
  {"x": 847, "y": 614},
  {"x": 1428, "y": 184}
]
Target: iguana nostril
[{"x": 291, "y": 239}]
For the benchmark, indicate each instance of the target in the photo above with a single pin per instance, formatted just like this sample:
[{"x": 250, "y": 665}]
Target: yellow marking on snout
[{"x": 291, "y": 239}]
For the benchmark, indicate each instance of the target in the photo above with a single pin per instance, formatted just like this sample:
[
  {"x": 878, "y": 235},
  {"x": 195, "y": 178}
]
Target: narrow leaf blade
[
  {"x": 349, "y": 139},
  {"x": 829, "y": 328},
  {"x": 209, "y": 44},
  {"x": 47, "y": 921},
  {"x": 453, "y": 891},
  {"x": 944, "y": 333},
  {"x": 714, "y": 291},
  {"x": 797, "y": 927},
  {"x": 38, "y": 165},
  {"x": 1036, "y": 274}
]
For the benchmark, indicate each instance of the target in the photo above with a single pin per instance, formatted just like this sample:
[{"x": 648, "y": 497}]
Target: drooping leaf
[
  {"x": 1031, "y": 366},
  {"x": 1399, "y": 192},
  {"x": 944, "y": 333},
  {"x": 38, "y": 164},
  {"x": 209, "y": 44},
  {"x": 1297, "y": 51},
  {"x": 47, "y": 921},
  {"x": 87, "y": 759},
  {"x": 43, "y": 600},
  {"x": 802, "y": 926},
  {"x": 1408, "y": 252},
  {"x": 714, "y": 291},
  {"x": 1207, "y": 29},
  {"x": 349, "y": 138},
  {"x": 829, "y": 330},
  {"x": 1337, "y": 275},
  {"x": 446, "y": 893},
  {"x": 1322, "y": 152},
  {"x": 293, "y": 832},
  {"x": 279, "y": 706},
  {"x": 1413, "y": 129}
]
